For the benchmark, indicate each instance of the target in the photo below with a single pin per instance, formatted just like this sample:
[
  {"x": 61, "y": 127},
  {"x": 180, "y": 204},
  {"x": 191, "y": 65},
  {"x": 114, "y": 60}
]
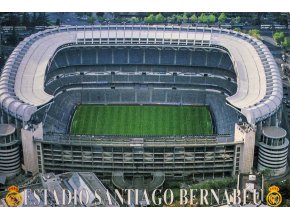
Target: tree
[
  {"x": 13, "y": 19},
  {"x": 222, "y": 18},
  {"x": 184, "y": 18},
  {"x": 25, "y": 19},
  {"x": 149, "y": 19},
  {"x": 257, "y": 20},
  {"x": 119, "y": 19},
  {"x": 211, "y": 18},
  {"x": 57, "y": 22},
  {"x": 13, "y": 38},
  {"x": 79, "y": 14},
  {"x": 134, "y": 20},
  {"x": 89, "y": 14},
  {"x": 178, "y": 18},
  {"x": 159, "y": 18},
  {"x": 255, "y": 33},
  {"x": 91, "y": 20},
  {"x": 280, "y": 18},
  {"x": 40, "y": 20},
  {"x": 203, "y": 18},
  {"x": 266, "y": 173},
  {"x": 171, "y": 19},
  {"x": 279, "y": 37},
  {"x": 237, "y": 29},
  {"x": 187, "y": 14},
  {"x": 286, "y": 43},
  {"x": 100, "y": 14},
  {"x": 193, "y": 18},
  {"x": 238, "y": 19},
  {"x": 33, "y": 20}
]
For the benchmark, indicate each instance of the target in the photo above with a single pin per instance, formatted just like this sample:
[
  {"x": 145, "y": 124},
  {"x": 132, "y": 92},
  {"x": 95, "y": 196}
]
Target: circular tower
[
  {"x": 273, "y": 151},
  {"x": 9, "y": 151}
]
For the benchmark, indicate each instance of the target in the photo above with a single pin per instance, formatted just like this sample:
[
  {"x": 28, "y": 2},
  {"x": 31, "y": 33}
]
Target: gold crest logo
[
  {"x": 274, "y": 198},
  {"x": 13, "y": 197}
]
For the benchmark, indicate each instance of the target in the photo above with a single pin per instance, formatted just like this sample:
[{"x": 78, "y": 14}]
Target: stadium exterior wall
[{"x": 199, "y": 157}]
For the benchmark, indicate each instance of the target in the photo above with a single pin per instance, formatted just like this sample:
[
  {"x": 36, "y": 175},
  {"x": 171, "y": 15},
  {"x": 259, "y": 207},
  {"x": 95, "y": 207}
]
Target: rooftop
[
  {"x": 259, "y": 91},
  {"x": 6, "y": 129},
  {"x": 274, "y": 132}
]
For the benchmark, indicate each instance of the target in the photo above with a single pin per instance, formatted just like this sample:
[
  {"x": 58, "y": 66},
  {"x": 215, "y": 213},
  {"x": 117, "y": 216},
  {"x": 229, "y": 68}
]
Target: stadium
[{"x": 159, "y": 102}]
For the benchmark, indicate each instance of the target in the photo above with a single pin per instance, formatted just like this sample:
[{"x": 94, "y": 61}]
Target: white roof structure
[
  {"x": 6, "y": 129},
  {"x": 259, "y": 86}
]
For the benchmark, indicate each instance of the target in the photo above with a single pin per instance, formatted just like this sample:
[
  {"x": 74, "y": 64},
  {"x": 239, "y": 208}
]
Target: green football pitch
[{"x": 136, "y": 120}]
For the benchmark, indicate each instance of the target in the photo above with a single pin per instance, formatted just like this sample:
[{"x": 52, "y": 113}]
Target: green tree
[
  {"x": 13, "y": 19},
  {"x": 134, "y": 20},
  {"x": 57, "y": 22},
  {"x": 178, "y": 18},
  {"x": 279, "y": 37},
  {"x": 13, "y": 39},
  {"x": 149, "y": 19},
  {"x": 211, "y": 18},
  {"x": 100, "y": 14},
  {"x": 286, "y": 43},
  {"x": 101, "y": 19},
  {"x": 171, "y": 19},
  {"x": 25, "y": 19},
  {"x": 159, "y": 18},
  {"x": 255, "y": 33},
  {"x": 184, "y": 18},
  {"x": 193, "y": 18},
  {"x": 287, "y": 203},
  {"x": 79, "y": 14},
  {"x": 91, "y": 20},
  {"x": 280, "y": 18},
  {"x": 238, "y": 19},
  {"x": 237, "y": 29},
  {"x": 257, "y": 19},
  {"x": 222, "y": 18},
  {"x": 34, "y": 19},
  {"x": 203, "y": 18},
  {"x": 266, "y": 173},
  {"x": 42, "y": 19},
  {"x": 89, "y": 14}
]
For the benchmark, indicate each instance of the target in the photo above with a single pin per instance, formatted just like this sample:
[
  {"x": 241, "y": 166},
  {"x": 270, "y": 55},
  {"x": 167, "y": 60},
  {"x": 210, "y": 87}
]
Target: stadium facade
[{"x": 51, "y": 72}]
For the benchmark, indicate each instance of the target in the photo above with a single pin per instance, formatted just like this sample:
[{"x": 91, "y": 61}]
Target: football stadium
[{"x": 126, "y": 101}]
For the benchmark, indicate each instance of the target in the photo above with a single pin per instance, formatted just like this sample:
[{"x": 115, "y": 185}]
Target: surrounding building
[
  {"x": 9, "y": 151},
  {"x": 273, "y": 151},
  {"x": 65, "y": 190}
]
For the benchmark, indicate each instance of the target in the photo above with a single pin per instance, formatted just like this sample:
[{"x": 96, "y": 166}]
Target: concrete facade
[
  {"x": 273, "y": 151},
  {"x": 246, "y": 133},
  {"x": 30, "y": 163},
  {"x": 9, "y": 151}
]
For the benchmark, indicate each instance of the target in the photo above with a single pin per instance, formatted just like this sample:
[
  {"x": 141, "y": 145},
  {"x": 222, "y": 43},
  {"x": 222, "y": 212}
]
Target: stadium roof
[{"x": 259, "y": 91}]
